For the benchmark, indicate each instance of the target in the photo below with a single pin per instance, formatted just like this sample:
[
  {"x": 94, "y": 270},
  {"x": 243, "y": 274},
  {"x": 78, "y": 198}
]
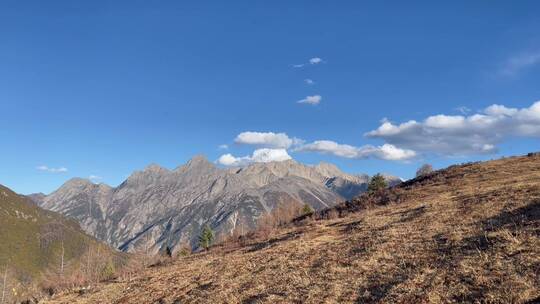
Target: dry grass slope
[{"x": 468, "y": 233}]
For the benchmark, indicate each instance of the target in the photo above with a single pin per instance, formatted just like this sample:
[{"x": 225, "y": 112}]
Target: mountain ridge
[{"x": 157, "y": 207}]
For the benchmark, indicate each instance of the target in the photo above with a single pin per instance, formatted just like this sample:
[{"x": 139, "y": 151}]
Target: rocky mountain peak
[
  {"x": 37, "y": 198},
  {"x": 155, "y": 168},
  {"x": 328, "y": 169},
  {"x": 77, "y": 182},
  {"x": 147, "y": 175},
  {"x": 197, "y": 163}
]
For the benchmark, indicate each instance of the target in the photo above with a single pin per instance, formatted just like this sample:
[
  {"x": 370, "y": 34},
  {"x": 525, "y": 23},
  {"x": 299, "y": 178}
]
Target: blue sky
[{"x": 95, "y": 88}]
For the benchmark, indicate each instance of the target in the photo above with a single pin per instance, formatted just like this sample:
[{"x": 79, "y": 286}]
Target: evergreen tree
[
  {"x": 377, "y": 183},
  {"x": 206, "y": 238}
]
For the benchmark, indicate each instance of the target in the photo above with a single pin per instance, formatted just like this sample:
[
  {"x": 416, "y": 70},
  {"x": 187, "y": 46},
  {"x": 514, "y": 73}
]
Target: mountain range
[{"x": 157, "y": 208}]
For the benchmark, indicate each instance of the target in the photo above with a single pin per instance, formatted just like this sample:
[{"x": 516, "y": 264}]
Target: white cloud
[
  {"x": 309, "y": 81},
  {"x": 520, "y": 62},
  {"x": 312, "y": 100},
  {"x": 267, "y": 139},
  {"x": 497, "y": 110},
  {"x": 386, "y": 151},
  {"x": 449, "y": 135},
  {"x": 391, "y": 152},
  {"x": 52, "y": 170},
  {"x": 223, "y": 147},
  {"x": 462, "y": 135},
  {"x": 445, "y": 121},
  {"x": 315, "y": 60},
  {"x": 228, "y": 160},
  {"x": 311, "y": 61},
  {"x": 329, "y": 147},
  {"x": 263, "y": 155},
  {"x": 280, "y": 142}
]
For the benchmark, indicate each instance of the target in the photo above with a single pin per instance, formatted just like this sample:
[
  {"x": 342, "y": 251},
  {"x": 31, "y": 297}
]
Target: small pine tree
[
  {"x": 377, "y": 183},
  {"x": 206, "y": 238},
  {"x": 307, "y": 209}
]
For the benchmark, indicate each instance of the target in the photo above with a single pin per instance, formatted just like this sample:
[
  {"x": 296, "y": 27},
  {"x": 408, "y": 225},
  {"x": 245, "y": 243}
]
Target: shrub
[
  {"x": 135, "y": 264},
  {"x": 185, "y": 249},
  {"x": 280, "y": 216},
  {"x": 377, "y": 183},
  {"x": 424, "y": 170},
  {"x": 332, "y": 214},
  {"x": 307, "y": 209},
  {"x": 108, "y": 271}
]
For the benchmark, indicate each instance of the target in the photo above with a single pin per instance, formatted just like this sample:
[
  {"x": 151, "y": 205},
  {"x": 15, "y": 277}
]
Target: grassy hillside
[
  {"x": 32, "y": 241},
  {"x": 468, "y": 233}
]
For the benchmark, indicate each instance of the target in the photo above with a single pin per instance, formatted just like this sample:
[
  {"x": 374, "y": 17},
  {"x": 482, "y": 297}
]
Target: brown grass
[{"x": 469, "y": 233}]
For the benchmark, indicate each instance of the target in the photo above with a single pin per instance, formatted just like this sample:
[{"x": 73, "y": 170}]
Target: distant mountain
[
  {"x": 32, "y": 240},
  {"x": 36, "y": 197},
  {"x": 157, "y": 207}
]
